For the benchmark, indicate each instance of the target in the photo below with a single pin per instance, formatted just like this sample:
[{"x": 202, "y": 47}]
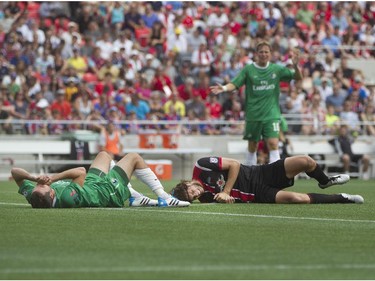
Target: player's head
[
  {"x": 42, "y": 196},
  {"x": 187, "y": 190},
  {"x": 263, "y": 50}
]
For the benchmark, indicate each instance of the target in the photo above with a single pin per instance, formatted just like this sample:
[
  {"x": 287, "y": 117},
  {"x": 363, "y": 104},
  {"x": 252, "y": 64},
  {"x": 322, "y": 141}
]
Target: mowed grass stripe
[
  {"x": 186, "y": 268},
  {"x": 156, "y": 209}
]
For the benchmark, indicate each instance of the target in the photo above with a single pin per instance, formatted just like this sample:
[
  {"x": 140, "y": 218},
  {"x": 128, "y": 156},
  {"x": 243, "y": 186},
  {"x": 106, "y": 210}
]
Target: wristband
[{"x": 225, "y": 88}]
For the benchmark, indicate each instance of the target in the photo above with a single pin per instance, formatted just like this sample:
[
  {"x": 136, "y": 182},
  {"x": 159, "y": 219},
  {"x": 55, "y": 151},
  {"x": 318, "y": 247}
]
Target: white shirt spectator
[{"x": 217, "y": 20}]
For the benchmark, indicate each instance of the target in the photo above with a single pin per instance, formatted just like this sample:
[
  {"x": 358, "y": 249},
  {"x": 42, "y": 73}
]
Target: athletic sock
[
  {"x": 148, "y": 177},
  {"x": 316, "y": 198},
  {"x": 319, "y": 175},
  {"x": 133, "y": 192},
  {"x": 251, "y": 158},
  {"x": 274, "y": 155}
]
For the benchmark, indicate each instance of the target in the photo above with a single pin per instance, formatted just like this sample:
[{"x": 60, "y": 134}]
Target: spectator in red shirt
[
  {"x": 61, "y": 105},
  {"x": 187, "y": 90},
  {"x": 162, "y": 82},
  {"x": 214, "y": 106}
]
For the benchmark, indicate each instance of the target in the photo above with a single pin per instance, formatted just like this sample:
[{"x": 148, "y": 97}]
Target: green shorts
[
  {"x": 112, "y": 188},
  {"x": 256, "y": 130}
]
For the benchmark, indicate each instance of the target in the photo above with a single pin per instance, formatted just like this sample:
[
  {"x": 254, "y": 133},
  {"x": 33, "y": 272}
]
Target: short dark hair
[
  {"x": 38, "y": 200},
  {"x": 180, "y": 191}
]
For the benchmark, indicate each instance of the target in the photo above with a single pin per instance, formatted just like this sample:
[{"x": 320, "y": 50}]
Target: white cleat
[
  {"x": 334, "y": 180},
  {"x": 172, "y": 202},
  {"x": 353, "y": 198},
  {"x": 142, "y": 201}
]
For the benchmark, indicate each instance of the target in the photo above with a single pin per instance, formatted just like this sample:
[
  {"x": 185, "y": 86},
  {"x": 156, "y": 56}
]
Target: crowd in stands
[{"x": 123, "y": 61}]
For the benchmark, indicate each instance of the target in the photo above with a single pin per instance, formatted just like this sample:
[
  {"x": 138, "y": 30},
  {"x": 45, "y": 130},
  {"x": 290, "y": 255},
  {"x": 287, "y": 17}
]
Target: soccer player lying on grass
[
  {"x": 100, "y": 187},
  {"x": 225, "y": 180}
]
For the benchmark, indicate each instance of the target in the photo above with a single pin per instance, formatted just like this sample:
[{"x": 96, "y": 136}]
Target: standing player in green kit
[
  {"x": 262, "y": 79},
  {"x": 100, "y": 187}
]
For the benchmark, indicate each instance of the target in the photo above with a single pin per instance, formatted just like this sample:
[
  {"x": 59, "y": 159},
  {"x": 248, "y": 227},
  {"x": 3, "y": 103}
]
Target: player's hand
[
  {"x": 43, "y": 179},
  {"x": 217, "y": 89},
  {"x": 296, "y": 56},
  {"x": 223, "y": 197}
]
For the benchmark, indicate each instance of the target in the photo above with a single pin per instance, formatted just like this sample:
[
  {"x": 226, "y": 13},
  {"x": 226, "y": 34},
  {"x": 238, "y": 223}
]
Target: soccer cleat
[
  {"x": 142, "y": 201},
  {"x": 172, "y": 202},
  {"x": 338, "y": 179},
  {"x": 353, "y": 198}
]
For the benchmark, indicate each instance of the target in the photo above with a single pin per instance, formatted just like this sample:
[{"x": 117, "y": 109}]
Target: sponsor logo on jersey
[{"x": 214, "y": 160}]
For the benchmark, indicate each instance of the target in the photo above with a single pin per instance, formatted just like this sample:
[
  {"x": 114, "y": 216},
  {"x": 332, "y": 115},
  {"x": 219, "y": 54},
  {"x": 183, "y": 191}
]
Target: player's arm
[
  {"x": 233, "y": 167},
  {"x": 19, "y": 175},
  {"x": 217, "y": 89},
  {"x": 295, "y": 59},
  {"x": 77, "y": 175}
]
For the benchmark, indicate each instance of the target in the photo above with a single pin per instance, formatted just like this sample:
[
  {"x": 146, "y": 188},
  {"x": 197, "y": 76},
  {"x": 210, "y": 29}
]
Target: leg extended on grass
[{"x": 298, "y": 164}]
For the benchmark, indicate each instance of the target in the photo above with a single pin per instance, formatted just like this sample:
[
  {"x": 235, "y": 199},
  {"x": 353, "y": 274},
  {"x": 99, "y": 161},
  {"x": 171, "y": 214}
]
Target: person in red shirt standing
[{"x": 61, "y": 105}]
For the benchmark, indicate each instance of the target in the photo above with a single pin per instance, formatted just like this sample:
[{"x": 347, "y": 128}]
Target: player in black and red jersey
[{"x": 225, "y": 180}]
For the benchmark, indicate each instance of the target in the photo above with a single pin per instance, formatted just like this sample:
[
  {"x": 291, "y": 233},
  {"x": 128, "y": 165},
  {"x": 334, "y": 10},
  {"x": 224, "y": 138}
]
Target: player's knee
[
  {"x": 309, "y": 163},
  {"x": 345, "y": 158},
  {"x": 299, "y": 198}
]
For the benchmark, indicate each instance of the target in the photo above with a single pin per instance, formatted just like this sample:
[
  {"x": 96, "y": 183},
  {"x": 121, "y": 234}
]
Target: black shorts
[{"x": 264, "y": 181}]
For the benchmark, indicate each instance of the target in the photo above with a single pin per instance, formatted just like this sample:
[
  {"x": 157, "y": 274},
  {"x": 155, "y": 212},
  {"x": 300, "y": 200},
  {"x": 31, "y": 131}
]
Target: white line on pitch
[
  {"x": 186, "y": 268},
  {"x": 156, "y": 209}
]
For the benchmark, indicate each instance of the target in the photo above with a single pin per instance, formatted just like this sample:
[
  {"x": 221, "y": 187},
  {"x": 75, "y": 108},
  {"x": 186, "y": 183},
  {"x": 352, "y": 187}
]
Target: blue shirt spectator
[{"x": 140, "y": 107}]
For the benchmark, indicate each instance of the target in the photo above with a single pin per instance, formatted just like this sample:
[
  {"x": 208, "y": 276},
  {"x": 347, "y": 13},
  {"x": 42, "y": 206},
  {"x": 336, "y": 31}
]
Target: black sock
[
  {"x": 327, "y": 198},
  {"x": 319, "y": 175}
]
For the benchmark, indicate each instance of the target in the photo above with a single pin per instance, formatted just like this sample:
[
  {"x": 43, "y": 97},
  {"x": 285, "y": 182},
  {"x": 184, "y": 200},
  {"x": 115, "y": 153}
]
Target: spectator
[
  {"x": 313, "y": 117},
  {"x": 78, "y": 62},
  {"x": 83, "y": 105},
  {"x": 117, "y": 16},
  {"x": 304, "y": 16},
  {"x": 61, "y": 105},
  {"x": 217, "y": 19},
  {"x": 332, "y": 121},
  {"x": 201, "y": 60},
  {"x": 368, "y": 115},
  {"x": 177, "y": 42},
  {"x": 196, "y": 105},
  {"x": 350, "y": 118},
  {"x": 343, "y": 145},
  {"x": 214, "y": 107},
  {"x": 132, "y": 17},
  {"x": 111, "y": 142},
  {"x": 102, "y": 105},
  {"x": 123, "y": 41},
  {"x": 174, "y": 107},
  {"x": 158, "y": 39},
  {"x": 325, "y": 90},
  {"x": 332, "y": 42},
  {"x": 162, "y": 82},
  {"x": 194, "y": 39},
  {"x": 149, "y": 17},
  {"x": 140, "y": 107},
  {"x": 44, "y": 61},
  {"x": 337, "y": 98},
  {"x": 105, "y": 45}
]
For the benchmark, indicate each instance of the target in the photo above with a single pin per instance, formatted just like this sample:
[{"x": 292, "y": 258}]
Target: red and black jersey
[{"x": 209, "y": 172}]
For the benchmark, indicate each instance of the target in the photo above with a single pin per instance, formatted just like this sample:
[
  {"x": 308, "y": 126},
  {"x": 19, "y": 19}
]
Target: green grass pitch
[{"x": 203, "y": 241}]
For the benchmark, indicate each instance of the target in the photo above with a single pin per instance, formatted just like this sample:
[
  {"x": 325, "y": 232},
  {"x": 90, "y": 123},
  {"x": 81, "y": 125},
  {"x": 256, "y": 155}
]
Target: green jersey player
[
  {"x": 100, "y": 187},
  {"x": 263, "y": 115}
]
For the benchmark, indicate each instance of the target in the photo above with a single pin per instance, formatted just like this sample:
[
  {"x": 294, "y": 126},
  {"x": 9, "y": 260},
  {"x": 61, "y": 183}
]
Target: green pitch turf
[{"x": 203, "y": 241}]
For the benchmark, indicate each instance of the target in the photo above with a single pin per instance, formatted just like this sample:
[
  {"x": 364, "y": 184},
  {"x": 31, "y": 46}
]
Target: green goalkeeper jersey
[
  {"x": 262, "y": 89},
  {"x": 68, "y": 194}
]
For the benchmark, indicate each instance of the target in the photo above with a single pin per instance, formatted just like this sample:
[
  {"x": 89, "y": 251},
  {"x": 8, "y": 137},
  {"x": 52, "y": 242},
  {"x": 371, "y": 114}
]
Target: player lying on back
[
  {"x": 225, "y": 180},
  {"x": 100, "y": 187}
]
